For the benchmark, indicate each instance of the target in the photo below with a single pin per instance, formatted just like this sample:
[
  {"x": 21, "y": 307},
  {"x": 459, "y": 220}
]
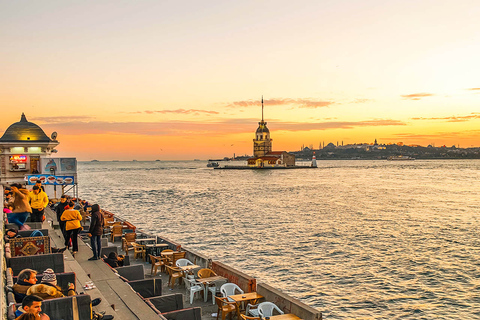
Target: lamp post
[{"x": 52, "y": 172}]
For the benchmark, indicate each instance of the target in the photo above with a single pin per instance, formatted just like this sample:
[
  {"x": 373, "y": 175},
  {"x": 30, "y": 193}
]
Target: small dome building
[{"x": 22, "y": 147}]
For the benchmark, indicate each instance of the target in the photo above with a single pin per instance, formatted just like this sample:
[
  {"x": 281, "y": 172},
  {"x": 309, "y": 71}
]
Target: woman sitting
[{"x": 114, "y": 260}]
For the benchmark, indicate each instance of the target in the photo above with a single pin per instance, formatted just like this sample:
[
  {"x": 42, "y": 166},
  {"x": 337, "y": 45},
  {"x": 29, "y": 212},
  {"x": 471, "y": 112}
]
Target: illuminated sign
[{"x": 18, "y": 159}]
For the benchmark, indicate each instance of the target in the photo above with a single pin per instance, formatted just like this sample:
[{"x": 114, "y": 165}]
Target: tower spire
[{"x": 262, "y": 107}]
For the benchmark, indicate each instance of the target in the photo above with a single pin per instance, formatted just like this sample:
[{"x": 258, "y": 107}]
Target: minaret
[{"x": 262, "y": 144}]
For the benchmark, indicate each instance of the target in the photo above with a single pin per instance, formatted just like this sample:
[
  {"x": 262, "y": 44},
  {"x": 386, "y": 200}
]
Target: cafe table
[
  {"x": 208, "y": 281},
  {"x": 156, "y": 248},
  {"x": 251, "y": 297},
  {"x": 168, "y": 253},
  {"x": 146, "y": 240},
  {"x": 287, "y": 316},
  {"x": 188, "y": 268}
]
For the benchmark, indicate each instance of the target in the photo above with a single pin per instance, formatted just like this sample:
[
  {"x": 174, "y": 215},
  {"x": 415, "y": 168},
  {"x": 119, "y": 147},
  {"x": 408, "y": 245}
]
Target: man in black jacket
[{"x": 59, "y": 210}]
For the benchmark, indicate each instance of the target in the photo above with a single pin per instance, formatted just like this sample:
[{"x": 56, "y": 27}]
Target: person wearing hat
[{"x": 48, "y": 289}]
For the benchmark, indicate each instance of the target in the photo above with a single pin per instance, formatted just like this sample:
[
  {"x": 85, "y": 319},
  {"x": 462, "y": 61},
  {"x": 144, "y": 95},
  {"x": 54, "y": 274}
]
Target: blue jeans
[
  {"x": 18, "y": 218},
  {"x": 96, "y": 242}
]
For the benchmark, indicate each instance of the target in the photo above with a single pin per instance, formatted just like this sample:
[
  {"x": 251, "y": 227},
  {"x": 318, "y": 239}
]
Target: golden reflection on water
[{"x": 356, "y": 239}]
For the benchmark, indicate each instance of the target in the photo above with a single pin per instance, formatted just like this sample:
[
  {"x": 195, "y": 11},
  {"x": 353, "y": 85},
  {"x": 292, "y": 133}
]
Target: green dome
[{"x": 23, "y": 131}]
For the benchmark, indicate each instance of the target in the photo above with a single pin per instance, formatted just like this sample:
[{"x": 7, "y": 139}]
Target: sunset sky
[{"x": 172, "y": 80}]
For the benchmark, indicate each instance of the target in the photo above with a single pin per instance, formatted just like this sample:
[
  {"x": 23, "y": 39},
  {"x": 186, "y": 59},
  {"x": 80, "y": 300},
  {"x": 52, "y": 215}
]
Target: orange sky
[{"x": 183, "y": 80}]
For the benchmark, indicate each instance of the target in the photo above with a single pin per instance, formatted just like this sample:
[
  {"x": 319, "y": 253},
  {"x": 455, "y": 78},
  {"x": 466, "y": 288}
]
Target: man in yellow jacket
[{"x": 38, "y": 202}]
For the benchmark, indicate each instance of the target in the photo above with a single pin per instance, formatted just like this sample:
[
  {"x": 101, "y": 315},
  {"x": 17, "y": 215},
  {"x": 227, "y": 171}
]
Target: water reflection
[{"x": 356, "y": 239}]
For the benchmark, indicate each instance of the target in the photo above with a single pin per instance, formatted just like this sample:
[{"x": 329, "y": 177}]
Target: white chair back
[
  {"x": 265, "y": 309},
  {"x": 228, "y": 289},
  {"x": 183, "y": 262}
]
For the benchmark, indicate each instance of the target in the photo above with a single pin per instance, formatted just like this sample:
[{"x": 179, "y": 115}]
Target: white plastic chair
[
  {"x": 265, "y": 309},
  {"x": 228, "y": 289},
  {"x": 213, "y": 288},
  {"x": 192, "y": 287},
  {"x": 183, "y": 262},
  {"x": 252, "y": 310}
]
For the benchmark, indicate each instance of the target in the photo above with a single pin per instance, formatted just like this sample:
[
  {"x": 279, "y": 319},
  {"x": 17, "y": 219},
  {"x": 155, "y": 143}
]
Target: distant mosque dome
[{"x": 24, "y": 131}]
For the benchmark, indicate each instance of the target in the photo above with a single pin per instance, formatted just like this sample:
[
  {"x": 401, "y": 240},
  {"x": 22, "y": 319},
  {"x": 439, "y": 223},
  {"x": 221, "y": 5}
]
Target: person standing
[
  {"x": 95, "y": 232},
  {"x": 21, "y": 207},
  {"x": 38, "y": 203},
  {"x": 59, "y": 210},
  {"x": 73, "y": 226}
]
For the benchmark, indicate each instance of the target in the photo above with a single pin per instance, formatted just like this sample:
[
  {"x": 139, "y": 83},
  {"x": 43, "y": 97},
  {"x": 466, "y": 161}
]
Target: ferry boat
[{"x": 400, "y": 158}]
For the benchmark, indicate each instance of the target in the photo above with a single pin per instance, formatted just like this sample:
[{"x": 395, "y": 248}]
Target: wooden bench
[
  {"x": 147, "y": 288},
  {"x": 38, "y": 262}
]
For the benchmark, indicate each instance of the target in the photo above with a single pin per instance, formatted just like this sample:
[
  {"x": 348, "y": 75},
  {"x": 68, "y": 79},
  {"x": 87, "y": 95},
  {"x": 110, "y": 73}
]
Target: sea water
[{"x": 355, "y": 239}]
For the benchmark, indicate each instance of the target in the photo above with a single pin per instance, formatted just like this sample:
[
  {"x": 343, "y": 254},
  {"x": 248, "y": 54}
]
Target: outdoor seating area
[
  {"x": 56, "y": 308},
  {"x": 198, "y": 282}
]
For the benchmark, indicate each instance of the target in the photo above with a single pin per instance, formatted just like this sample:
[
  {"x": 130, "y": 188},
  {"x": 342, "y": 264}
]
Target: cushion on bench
[
  {"x": 37, "y": 262},
  {"x": 167, "y": 303},
  {"x": 131, "y": 273},
  {"x": 27, "y": 233},
  {"x": 64, "y": 308},
  {"x": 147, "y": 288}
]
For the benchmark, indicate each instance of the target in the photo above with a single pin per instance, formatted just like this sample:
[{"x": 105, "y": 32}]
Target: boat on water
[
  {"x": 213, "y": 163},
  {"x": 400, "y": 158}
]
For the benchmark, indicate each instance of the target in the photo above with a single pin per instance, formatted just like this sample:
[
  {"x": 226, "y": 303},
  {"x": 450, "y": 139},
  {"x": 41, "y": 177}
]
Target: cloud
[
  {"x": 59, "y": 119},
  {"x": 185, "y": 128},
  {"x": 474, "y": 89},
  {"x": 362, "y": 100},
  {"x": 302, "y": 103},
  {"x": 177, "y": 111},
  {"x": 472, "y": 116},
  {"x": 417, "y": 96}
]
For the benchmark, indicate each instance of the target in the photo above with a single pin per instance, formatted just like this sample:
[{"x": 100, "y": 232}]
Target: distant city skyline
[{"x": 183, "y": 80}]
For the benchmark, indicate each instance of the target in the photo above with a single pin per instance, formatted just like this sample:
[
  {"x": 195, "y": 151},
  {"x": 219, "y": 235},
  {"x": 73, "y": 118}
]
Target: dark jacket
[
  {"x": 60, "y": 208},
  {"x": 20, "y": 290},
  {"x": 114, "y": 260},
  {"x": 96, "y": 224}
]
